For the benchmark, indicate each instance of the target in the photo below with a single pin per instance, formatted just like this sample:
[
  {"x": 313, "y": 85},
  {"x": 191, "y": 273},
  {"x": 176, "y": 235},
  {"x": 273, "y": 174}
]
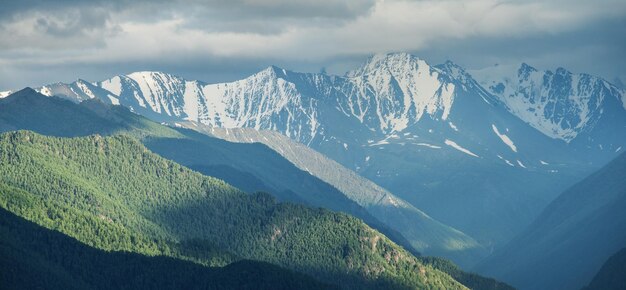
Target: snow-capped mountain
[
  {"x": 561, "y": 104},
  {"x": 401, "y": 122},
  {"x": 386, "y": 95},
  {"x": 78, "y": 91},
  {"x": 156, "y": 93},
  {"x": 263, "y": 101},
  {"x": 5, "y": 94},
  {"x": 391, "y": 92}
]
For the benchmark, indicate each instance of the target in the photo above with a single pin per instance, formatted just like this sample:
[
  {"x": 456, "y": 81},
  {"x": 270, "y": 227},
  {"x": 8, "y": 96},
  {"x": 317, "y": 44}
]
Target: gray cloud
[
  {"x": 598, "y": 48},
  {"x": 272, "y": 9},
  {"x": 73, "y": 23},
  {"x": 218, "y": 40}
]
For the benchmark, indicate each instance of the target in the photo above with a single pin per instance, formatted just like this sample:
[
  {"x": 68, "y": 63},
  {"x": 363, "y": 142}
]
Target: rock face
[{"x": 563, "y": 105}]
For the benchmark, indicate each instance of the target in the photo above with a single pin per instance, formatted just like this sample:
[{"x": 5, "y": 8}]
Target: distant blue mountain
[{"x": 571, "y": 239}]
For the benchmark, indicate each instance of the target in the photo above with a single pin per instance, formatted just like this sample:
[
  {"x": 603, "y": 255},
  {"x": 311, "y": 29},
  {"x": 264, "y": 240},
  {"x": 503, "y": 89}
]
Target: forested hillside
[
  {"x": 250, "y": 167},
  {"x": 33, "y": 257},
  {"x": 68, "y": 184}
]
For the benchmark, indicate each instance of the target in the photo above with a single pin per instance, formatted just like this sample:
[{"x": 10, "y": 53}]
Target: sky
[{"x": 46, "y": 41}]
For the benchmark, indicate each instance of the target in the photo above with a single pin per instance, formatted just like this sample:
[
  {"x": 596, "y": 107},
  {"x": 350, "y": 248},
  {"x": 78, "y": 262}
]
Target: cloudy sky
[{"x": 44, "y": 41}]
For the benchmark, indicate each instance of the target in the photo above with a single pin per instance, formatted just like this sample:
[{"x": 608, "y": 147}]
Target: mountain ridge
[
  {"x": 589, "y": 216},
  {"x": 445, "y": 117},
  {"x": 396, "y": 213},
  {"x": 120, "y": 183},
  {"x": 530, "y": 93},
  {"x": 250, "y": 167}
]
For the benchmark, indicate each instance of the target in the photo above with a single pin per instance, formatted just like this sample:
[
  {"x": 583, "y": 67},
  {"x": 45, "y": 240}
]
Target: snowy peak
[
  {"x": 160, "y": 91},
  {"x": 271, "y": 74},
  {"x": 273, "y": 71},
  {"x": 153, "y": 76},
  {"x": 155, "y": 92},
  {"x": 266, "y": 100},
  {"x": 77, "y": 91},
  {"x": 400, "y": 89},
  {"x": 387, "y": 94},
  {"x": 559, "y": 103},
  {"x": 464, "y": 80},
  {"x": 394, "y": 63},
  {"x": 454, "y": 70}
]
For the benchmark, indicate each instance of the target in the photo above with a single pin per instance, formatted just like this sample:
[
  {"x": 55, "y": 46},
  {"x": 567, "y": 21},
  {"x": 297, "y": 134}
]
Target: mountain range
[
  {"x": 444, "y": 161},
  {"x": 401, "y": 122},
  {"x": 579, "y": 109},
  {"x": 30, "y": 110}
]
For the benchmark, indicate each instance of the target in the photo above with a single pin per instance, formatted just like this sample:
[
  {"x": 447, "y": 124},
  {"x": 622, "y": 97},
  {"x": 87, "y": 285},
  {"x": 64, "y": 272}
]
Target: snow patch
[
  {"x": 5, "y": 94},
  {"x": 504, "y": 138},
  {"x": 114, "y": 100},
  {"x": 190, "y": 99},
  {"x": 45, "y": 91},
  {"x": 521, "y": 164},
  {"x": 392, "y": 201},
  {"x": 543, "y": 162},
  {"x": 113, "y": 85},
  {"x": 83, "y": 87},
  {"x": 458, "y": 147},
  {"x": 428, "y": 145},
  {"x": 381, "y": 142},
  {"x": 506, "y": 161},
  {"x": 453, "y": 126}
]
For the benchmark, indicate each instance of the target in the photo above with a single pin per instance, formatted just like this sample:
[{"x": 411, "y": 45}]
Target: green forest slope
[{"x": 70, "y": 184}]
